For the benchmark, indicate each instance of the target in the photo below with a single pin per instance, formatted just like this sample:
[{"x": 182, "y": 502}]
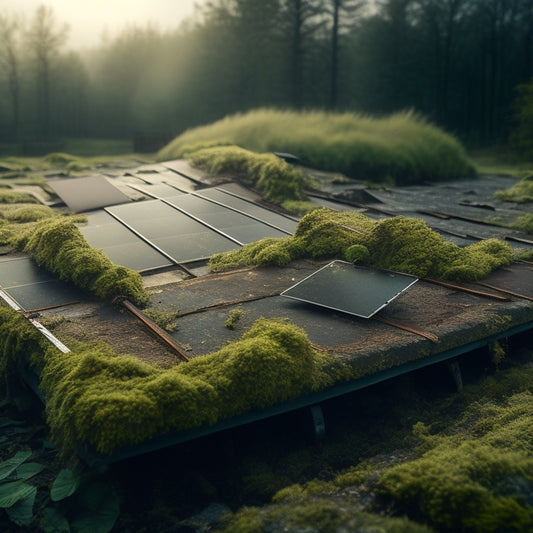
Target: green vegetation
[
  {"x": 482, "y": 483},
  {"x": 234, "y": 318},
  {"x": 466, "y": 465},
  {"x": 164, "y": 319},
  {"x": 402, "y": 147},
  {"x": 400, "y": 243},
  {"x": 58, "y": 245},
  {"x": 278, "y": 181},
  {"x": 14, "y": 197},
  {"x": 109, "y": 401},
  {"x": 70, "y": 503},
  {"x": 524, "y": 223},
  {"x": 317, "y": 514},
  {"x": 520, "y": 192}
]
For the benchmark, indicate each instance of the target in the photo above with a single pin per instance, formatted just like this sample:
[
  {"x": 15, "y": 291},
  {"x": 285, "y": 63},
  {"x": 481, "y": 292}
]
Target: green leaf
[
  {"x": 27, "y": 470},
  {"x": 98, "y": 509},
  {"x": 21, "y": 512},
  {"x": 8, "y": 466},
  {"x": 65, "y": 484},
  {"x": 12, "y": 492},
  {"x": 54, "y": 522}
]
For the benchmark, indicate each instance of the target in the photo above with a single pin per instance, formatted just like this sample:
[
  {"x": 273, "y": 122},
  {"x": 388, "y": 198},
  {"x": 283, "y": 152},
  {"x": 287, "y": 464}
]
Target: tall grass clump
[
  {"x": 58, "y": 245},
  {"x": 400, "y": 243},
  {"x": 403, "y": 147}
]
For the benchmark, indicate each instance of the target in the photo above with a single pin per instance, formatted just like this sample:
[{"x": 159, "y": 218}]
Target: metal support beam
[
  {"x": 455, "y": 371},
  {"x": 318, "y": 422}
]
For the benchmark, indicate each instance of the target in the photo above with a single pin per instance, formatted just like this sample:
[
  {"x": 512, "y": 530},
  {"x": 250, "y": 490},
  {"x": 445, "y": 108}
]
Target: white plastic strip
[
  {"x": 9, "y": 301},
  {"x": 49, "y": 335}
]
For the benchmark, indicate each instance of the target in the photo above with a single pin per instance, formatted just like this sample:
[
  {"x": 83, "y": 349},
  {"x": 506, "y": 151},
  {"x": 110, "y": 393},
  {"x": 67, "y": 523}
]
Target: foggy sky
[{"x": 90, "y": 19}]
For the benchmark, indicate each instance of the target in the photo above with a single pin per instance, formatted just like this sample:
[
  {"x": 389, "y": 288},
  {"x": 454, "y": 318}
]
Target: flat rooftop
[{"x": 427, "y": 323}]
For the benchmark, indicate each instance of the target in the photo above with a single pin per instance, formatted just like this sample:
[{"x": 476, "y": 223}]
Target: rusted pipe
[{"x": 154, "y": 328}]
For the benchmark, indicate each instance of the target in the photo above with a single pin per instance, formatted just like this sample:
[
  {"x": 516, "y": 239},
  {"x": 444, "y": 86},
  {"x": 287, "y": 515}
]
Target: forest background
[{"x": 463, "y": 64}]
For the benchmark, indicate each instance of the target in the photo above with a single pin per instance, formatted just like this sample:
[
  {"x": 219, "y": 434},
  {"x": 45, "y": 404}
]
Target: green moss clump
[
  {"x": 164, "y": 319},
  {"x": 523, "y": 223},
  {"x": 58, "y": 245},
  {"x": 520, "y": 192},
  {"x": 59, "y": 159},
  {"x": 14, "y": 197},
  {"x": 234, "y": 318},
  {"x": 32, "y": 213},
  {"x": 316, "y": 514},
  {"x": 112, "y": 401},
  {"x": 479, "y": 482},
  {"x": 402, "y": 244},
  {"x": 276, "y": 179},
  {"x": 18, "y": 340}
]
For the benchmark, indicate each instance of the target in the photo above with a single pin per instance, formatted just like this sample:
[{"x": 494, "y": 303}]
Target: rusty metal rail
[
  {"x": 505, "y": 291},
  {"x": 430, "y": 336},
  {"x": 466, "y": 289},
  {"x": 159, "y": 332}
]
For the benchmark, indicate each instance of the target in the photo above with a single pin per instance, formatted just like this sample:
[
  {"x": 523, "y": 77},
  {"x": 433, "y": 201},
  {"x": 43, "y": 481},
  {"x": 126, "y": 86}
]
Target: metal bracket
[
  {"x": 318, "y": 422},
  {"x": 455, "y": 370}
]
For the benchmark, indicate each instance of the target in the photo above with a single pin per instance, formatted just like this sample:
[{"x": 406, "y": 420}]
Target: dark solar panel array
[
  {"x": 34, "y": 288},
  {"x": 176, "y": 234},
  {"x": 120, "y": 244},
  {"x": 344, "y": 287},
  {"x": 238, "y": 226}
]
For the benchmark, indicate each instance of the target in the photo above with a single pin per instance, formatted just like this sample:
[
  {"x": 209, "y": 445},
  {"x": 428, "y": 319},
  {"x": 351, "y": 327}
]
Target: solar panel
[
  {"x": 237, "y": 225},
  {"x": 268, "y": 216},
  {"x": 120, "y": 244},
  {"x": 33, "y": 287},
  {"x": 87, "y": 193},
  {"x": 351, "y": 289},
  {"x": 156, "y": 190},
  {"x": 176, "y": 234}
]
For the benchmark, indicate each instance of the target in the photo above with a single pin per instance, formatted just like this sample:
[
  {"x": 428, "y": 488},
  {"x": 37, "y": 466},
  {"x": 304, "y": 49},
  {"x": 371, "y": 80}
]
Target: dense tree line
[{"x": 458, "y": 62}]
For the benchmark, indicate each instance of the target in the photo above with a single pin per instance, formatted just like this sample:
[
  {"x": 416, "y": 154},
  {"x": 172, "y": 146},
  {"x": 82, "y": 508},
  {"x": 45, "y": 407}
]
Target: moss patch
[
  {"x": 111, "y": 401},
  {"x": 520, "y": 192},
  {"x": 58, "y": 245},
  {"x": 481, "y": 482},
  {"x": 277, "y": 180},
  {"x": 400, "y": 243}
]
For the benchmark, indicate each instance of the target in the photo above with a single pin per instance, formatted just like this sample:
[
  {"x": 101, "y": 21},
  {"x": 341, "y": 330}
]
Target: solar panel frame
[{"x": 363, "y": 282}]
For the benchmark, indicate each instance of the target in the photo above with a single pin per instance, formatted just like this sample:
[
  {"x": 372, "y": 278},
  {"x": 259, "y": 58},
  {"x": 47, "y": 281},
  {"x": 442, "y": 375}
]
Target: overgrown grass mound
[
  {"x": 110, "y": 401},
  {"x": 521, "y": 192},
  {"x": 402, "y": 147},
  {"x": 58, "y": 245},
  {"x": 277, "y": 180},
  {"x": 402, "y": 244}
]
